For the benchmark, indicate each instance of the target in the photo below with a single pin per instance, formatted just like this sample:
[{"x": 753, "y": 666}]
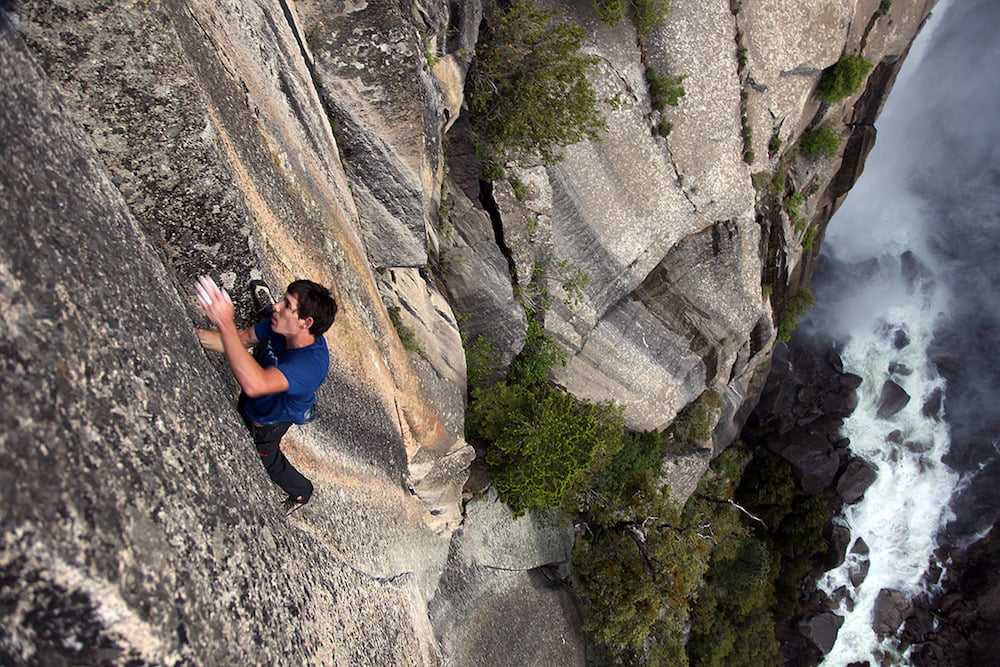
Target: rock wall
[
  {"x": 668, "y": 231},
  {"x": 137, "y": 525},
  {"x": 147, "y": 143}
]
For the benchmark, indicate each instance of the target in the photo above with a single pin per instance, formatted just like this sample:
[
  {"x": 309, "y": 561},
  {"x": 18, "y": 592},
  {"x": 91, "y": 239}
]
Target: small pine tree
[
  {"x": 544, "y": 446},
  {"x": 843, "y": 77},
  {"x": 822, "y": 141},
  {"x": 527, "y": 90}
]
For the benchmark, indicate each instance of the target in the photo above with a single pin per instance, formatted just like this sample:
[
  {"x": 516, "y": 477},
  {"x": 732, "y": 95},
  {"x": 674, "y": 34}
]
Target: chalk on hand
[{"x": 202, "y": 295}]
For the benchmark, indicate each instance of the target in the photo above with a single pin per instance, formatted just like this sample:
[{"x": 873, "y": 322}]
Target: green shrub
[
  {"x": 774, "y": 145},
  {"x": 521, "y": 190},
  {"x": 822, "y": 141},
  {"x": 694, "y": 423},
  {"x": 481, "y": 360},
  {"x": 664, "y": 128},
  {"x": 794, "y": 524},
  {"x": 538, "y": 356},
  {"x": 796, "y": 304},
  {"x": 792, "y": 204},
  {"x": 642, "y": 574},
  {"x": 664, "y": 89},
  {"x": 527, "y": 90},
  {"x": 610, "y": 11},
  {"x": 809, "y": 238},
  {"x": 843, "y": 78},
  {"x": 778, "y": 183},
  {"x": 648, "y": 16},
  {"x": 543, "y": 445},
  {"x": 405, "y": 333}
]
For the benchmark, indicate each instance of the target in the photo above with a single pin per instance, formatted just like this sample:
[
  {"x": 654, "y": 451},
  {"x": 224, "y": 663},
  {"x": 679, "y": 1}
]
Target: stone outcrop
[
  {"x": 137, "y": 524},
  {"x": 147, "y": 143},
  {"x": 891, "y": 609},
  {"x": 957, "y": 625},
  {"x": 799, "y": 416},
  {"x": 504, "y": 596},
  {"x": 821, "y": 629}
]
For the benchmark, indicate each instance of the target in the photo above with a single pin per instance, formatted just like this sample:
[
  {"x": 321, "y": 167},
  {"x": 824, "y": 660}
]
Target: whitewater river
[{"x": 912, "y": 251}]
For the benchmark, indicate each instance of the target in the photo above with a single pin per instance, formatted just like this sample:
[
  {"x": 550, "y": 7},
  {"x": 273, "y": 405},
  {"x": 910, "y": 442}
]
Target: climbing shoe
[
  {"x": 263, "y": 302},
  {"x": 292, "y": 503}
]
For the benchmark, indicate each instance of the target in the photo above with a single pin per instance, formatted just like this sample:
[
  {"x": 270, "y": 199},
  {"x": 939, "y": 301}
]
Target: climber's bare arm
[{"x": 212, "y": 340}]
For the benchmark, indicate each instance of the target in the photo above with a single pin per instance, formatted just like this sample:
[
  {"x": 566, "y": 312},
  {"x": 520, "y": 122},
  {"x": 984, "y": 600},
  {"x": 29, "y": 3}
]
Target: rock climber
[{"x": 279, "y": 381}]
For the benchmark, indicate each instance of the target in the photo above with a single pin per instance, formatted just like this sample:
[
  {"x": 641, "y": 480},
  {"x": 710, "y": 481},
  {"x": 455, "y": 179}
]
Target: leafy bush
[
  {"x": 539, "y": 355},
  {"x": 774, "y": 145},
  {"x": 796, "y": 304},
  {"x": 695, "y": 422},
  {"x": 647, "y": 15},
  {"x": 794, "y": 521},
  {"x": 610, "y": 11},
  {"x": 792, "y": 204},
  {"x": 664, "y": 89},
  {"x": 481, "y": 360},
  {"x": 405, "y": 333},
  {"x": 543, "y": 445},
  {"x": 527, "y": 89},
  {"x": 843, "y": 78},
  {"x": 822, "y": 141},
  {"x": 731, "y": 622},
  {"x": 809, "y": 238},
  {"x": 643, "y": 572}
]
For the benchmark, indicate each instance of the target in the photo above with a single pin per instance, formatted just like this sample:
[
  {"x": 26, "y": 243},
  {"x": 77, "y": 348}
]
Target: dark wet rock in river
[
  {"x": 821, "y": 629},
  {"x": 892, "y": 399},
  {"x": 855, "y": 480},
  {"x": 891, "y": 609}
]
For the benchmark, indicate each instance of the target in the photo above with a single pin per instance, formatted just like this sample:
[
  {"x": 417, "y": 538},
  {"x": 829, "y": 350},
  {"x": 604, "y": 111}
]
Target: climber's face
[{"x": 285, "y": 320}]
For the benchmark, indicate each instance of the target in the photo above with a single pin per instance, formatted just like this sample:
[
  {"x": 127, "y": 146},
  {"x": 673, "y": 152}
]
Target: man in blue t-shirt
[{"x": 279, "y": 382}]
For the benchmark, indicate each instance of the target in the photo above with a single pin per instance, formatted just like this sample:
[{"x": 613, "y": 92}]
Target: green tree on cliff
[
  {"x": 843, "y": 77},
  {"x": 527, "y": 89}
]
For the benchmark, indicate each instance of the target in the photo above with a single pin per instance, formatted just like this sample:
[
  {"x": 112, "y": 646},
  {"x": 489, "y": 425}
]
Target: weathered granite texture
[
  {"x": 137, "y": 525},
  {"x": 145, "y": 143},
  {"x": 216, "y": 136},
  {"x": 504, "y": 597},
  {"x": 666, "y": 230}
]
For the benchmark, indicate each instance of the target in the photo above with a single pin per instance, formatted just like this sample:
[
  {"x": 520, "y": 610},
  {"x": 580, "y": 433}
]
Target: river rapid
[{"x": 907, "y": 285}]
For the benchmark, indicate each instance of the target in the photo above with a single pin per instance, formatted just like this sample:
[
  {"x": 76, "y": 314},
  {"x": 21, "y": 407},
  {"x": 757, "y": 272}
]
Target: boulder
[
  {"x": 900, "y": 339},
  {"x": 899, "y": 368},
  {"x": 815, "y": 463},
  {"x": 860, "y": 547},
  {"x": 891, "y": 399},
  {"x": 934, "y": 404},
  {"x": 850, "y": 381},
  {"x": 859, "y": 572},
  {"x": 890, "y": 610},
  {"x": 839, "y": 539},
  {"x": 855, "y": 480},
  {"x": 821, "y": 629}
]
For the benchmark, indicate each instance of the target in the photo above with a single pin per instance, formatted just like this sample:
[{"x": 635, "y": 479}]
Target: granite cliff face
[{"x": 146, "y": 143}]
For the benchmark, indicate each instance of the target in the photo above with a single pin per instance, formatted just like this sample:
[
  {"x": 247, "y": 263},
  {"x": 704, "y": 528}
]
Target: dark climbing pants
[{"x": 267, "y": 438}]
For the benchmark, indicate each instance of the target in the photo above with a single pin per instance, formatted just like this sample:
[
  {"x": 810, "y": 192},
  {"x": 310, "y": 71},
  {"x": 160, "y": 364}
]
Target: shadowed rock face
[{"x": 137, "y": 524}]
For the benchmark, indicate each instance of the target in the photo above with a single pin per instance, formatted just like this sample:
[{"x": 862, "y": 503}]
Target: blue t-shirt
[{"x": 305, "y": 369}]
